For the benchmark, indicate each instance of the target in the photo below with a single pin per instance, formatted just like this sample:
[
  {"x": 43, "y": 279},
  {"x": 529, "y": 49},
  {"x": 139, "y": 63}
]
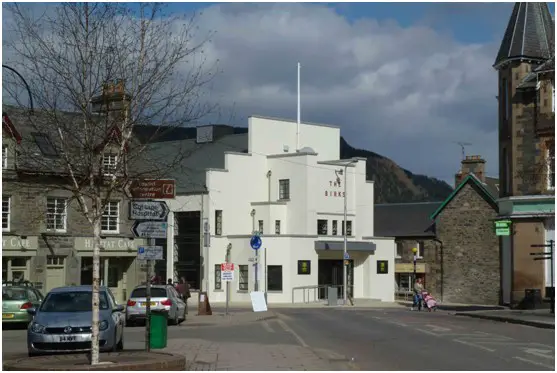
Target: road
[
  {"x": 398, "y": 339},
  {"x": 371, "y": 339}
]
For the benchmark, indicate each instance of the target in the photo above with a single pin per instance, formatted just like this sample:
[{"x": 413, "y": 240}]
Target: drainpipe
[{"x": 442, "y": 271}]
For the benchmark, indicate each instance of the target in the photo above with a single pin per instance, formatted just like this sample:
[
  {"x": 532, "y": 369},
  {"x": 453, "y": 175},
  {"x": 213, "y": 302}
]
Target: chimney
[
  {"x": 113, "y": 100},
  {"x": 472, "y": 164}
]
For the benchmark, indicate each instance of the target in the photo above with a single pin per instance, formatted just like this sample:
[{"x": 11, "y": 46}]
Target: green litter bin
[{"x": 158, "y": 329}]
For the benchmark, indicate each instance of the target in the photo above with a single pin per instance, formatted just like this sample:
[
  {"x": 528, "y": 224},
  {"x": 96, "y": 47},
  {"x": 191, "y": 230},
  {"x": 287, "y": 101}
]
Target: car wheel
[
  {"x": 33, "y": 354},
  {"x": 130, "y": 323},
  {"x": 120, "y": 345}
]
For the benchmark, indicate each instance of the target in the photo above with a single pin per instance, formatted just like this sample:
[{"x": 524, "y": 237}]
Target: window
[
  {"x": 55, "y": 260},
  {"x": 348, "y": 228},
  {"x": 77, "y": 301},
  {"x": 274, "y": 278},
  {"x": 322, "y": 227},
  {"x": 109, "y": 164},
  {"x": 403, "y": 281},
  {"x": 260, "y": 226},
  {"x": 109, "y": 219},
  {"x": 335, "y": 227},
  {"x": 421, "y": 249},
  {"x": 218, "y": 222},
  {"x": 552, "y": 98},
  {"x": 56, "y": 212},
  {"x": 284, "y": 189},
  {"x": 399, "y": 248},
  {"x": 45, "y": 145},
  {"x": 277, "y": 226},
  {"x": 243, "y": 277},
  {"x": 550, "y": 164},
  {"x": 6, "y": 211},
  {"x": 4, "y": 156},
  {"x": 218, "y": 280}
]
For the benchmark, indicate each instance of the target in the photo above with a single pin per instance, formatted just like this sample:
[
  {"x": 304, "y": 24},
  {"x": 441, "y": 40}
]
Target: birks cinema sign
[{"x": 334, "y": 189}]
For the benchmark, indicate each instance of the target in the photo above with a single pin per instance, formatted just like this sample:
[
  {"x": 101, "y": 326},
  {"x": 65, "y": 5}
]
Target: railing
[{"x": 317, "y": 293}]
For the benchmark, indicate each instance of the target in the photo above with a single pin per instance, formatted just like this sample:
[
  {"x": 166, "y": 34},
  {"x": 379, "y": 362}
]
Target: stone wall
[
  {"x": 431, "y": 258},
  {"x": 470, "y": 249}
]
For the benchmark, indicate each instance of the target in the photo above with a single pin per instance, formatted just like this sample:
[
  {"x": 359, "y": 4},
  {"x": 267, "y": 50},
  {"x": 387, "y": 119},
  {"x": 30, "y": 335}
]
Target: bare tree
[{"x": 96, "y": 71}]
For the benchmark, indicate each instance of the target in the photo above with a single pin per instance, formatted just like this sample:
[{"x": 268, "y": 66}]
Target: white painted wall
[
  {"x": 549, "y": 235},
  {"x": 243, "y": 185}
]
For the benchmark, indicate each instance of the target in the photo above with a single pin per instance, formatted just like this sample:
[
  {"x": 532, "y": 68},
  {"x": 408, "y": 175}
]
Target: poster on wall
[
  {"x": 382, "y": 267},
  {"x": 304, "y": 267}
]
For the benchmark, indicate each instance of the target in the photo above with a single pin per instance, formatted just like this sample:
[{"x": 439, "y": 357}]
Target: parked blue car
[{"x": 63, "y": 322}]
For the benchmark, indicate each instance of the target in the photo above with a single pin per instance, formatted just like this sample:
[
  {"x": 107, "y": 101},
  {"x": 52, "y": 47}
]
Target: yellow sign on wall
[{"x": 409, "y": 267}]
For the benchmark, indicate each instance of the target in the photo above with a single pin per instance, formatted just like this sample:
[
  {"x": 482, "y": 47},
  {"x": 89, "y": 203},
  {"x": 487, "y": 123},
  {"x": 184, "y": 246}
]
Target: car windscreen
[
  {"x": 14, "y": 294},
  {"x": 73, "y": 301},
  {"x": 155, "y": 293}
]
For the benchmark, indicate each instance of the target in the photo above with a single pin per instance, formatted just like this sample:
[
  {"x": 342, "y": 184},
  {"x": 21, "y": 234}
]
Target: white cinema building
[{"x": 288, "y": 187}]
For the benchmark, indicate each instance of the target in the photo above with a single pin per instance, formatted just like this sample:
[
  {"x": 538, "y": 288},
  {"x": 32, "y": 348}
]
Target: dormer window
[
  {"x": 109, "y": 164},
  {"x": 45, "y": 144}
]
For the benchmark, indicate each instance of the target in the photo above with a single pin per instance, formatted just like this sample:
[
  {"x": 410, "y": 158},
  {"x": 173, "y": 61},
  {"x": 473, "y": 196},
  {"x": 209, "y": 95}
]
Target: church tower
[{"x": 527, "y": 45}]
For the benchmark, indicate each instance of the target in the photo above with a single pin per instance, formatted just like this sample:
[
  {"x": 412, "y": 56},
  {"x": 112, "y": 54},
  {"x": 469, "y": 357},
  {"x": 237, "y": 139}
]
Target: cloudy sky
[{"x": 407, "y": 81}]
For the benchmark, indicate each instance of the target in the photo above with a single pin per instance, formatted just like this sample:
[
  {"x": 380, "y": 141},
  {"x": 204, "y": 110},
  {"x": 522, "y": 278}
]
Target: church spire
[{"x": 529, "y": 35}]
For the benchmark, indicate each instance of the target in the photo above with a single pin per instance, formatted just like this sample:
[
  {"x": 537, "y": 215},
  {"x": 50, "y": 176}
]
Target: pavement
[
  {"x": 537, "y": 318},
  {"x": 343, "y": 338}
]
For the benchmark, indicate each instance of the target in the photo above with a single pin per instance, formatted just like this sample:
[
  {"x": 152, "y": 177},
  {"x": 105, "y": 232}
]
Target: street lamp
[
  {"x": 345, "y": 234},
  {"x": 415, "y": 251},
  {"x": 24, "y": 82}
]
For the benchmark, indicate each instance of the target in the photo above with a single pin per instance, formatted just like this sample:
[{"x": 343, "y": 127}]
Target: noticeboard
[
  {"x": 382, "y": 267},
  {"x": 304, "y": 267}
]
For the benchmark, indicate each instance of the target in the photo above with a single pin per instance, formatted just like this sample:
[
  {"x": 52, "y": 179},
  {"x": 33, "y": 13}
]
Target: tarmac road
[{"x": 399, "y": 339}]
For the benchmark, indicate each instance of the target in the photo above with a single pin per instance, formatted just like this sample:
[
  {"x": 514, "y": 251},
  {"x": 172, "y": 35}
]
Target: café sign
[
  {"x": 17, "y": 243},
  {"x": 113, "y": 244}
]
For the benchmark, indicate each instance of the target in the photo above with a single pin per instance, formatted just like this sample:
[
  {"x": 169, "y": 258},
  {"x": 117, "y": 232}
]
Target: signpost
[
  {"x": 152, "y": 189},
  {"x": 150, "y": 253},
  {"x": 149, "y": 229},
  {"x": 148, "y": 210},
  {"x": 255, "y": 244}
]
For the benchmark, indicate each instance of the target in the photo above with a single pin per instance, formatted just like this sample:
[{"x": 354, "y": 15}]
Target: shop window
[
  {"x": 243, "y": 278},
  {"x": 335, "y": 227},
  {"x": 260, "y": 222},
  {"x": 113, "y": 275},
  {"x": 218, "y": 222},
  {"x": 56, "y": 214},
  {"x": 274, "y": 278},
  {"x": 110, "y": 218},
  {"x": 277, "y": 226},
  {"x": 19, "y": 262},
  {"x": 284, "y": 189},
  {"x": 322, "y": 227},
  {"x": 403, "y": 281},
  {"x": 87, "y": 270},
  {"x": 218, "y": 280},
  {"x": 6, "y": 213}
]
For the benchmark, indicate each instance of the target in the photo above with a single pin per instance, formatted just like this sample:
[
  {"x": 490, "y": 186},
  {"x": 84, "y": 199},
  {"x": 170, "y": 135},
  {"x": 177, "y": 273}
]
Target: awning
[{"x": 361, "y": 246}]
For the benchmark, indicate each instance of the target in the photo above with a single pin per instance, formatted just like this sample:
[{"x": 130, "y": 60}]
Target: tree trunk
[{"x": 96, "y": 286}]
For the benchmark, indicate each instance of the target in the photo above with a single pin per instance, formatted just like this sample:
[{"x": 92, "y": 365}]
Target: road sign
[
  {"x": 150, "y": 253},
  {"x": 255, "y": 242},
  {"x": 148, "y": 210},
  {"x": 503, "y": 227},
  {"x": 227, "y": 272},
  {"x": 149, "y": 229},
  {"x": 346, "y": 256},
  {"x": 156, "y": 189}
]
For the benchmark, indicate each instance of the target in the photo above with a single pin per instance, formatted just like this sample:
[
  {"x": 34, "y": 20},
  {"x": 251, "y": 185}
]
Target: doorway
[
  {"x": 188, "y": 244},
  {"x": 113, "y": 274},
  {"x": 330, "y": 272}
]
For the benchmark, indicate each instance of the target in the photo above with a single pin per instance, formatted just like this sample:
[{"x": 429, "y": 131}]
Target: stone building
[
  {"x": 411, "y": 226},
  {"x": 46, "y": 238},
  {"x": 525, "y": 65}
]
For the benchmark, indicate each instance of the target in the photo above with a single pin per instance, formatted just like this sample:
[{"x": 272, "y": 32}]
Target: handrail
[{"x": 307, "y": 290}]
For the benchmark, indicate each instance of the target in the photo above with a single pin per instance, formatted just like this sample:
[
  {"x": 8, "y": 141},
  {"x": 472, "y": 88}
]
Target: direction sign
[
  {"x": 227, "y": 272},
  {"x": 156, "y": 189},
  {"x": 148, "y": 210},
  {"x": 150, "y": 253},
  {"x": 255, "y": 242},
  {"x": 149, "y": 229},
  {"x": 346, "y": 256}
]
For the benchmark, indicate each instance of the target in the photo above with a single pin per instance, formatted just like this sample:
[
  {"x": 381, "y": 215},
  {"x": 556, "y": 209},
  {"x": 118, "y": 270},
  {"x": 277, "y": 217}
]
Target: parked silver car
[
  {"x": 163, "y": 297},
  {"x": 63, "y": 322}
]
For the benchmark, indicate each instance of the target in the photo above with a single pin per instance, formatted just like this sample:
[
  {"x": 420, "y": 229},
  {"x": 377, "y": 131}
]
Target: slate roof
[
  {"x": 187, "y": 162},
  {"x": 487, "y": 190},
  {"x": 404, "y": 219},
  {"x": 529, "y": 34}
]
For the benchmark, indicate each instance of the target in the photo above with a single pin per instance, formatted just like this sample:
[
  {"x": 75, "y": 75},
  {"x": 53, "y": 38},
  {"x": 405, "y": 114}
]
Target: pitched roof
[
  {"x": 529, "y": 34},
  {"x": 186, "y": 161},
  {"x": 487, "y": 191},
  {"x": 403, "y": 219}
]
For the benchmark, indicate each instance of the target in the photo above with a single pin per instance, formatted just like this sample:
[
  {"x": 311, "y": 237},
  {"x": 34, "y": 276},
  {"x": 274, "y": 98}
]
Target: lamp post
[
  {"x": 256, "y": 261},
  {"x": 415, "y": 252},
  {"x": 227, "y": 260},
  {"x": 345, "y": 234},
  {"x": 24, "y": 82}
]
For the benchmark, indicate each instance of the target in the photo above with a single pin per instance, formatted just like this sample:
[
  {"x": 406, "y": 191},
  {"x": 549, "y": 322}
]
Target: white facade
[{"x": 250, "y": 182}]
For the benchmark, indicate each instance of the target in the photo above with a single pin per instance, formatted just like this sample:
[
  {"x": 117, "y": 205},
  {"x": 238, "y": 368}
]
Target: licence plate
[
  {"x": 8, "y": 315},
  {"x": 68, "y": 338},
  {"x": 145, "y": 304}
]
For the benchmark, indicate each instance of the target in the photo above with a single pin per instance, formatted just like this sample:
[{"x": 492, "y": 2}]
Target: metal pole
[
  {"x": 266, "y": 285},
  {"x": 344, "y": 267},
  {"x": 551, "y": 246},
  {"x": 148, "y": 305},
  {"x": 414, "y": 281},
  {"x": 26, "y": 85},
  {"x": 227, "y": 284},
  {"x": 256, "y": 288}
]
